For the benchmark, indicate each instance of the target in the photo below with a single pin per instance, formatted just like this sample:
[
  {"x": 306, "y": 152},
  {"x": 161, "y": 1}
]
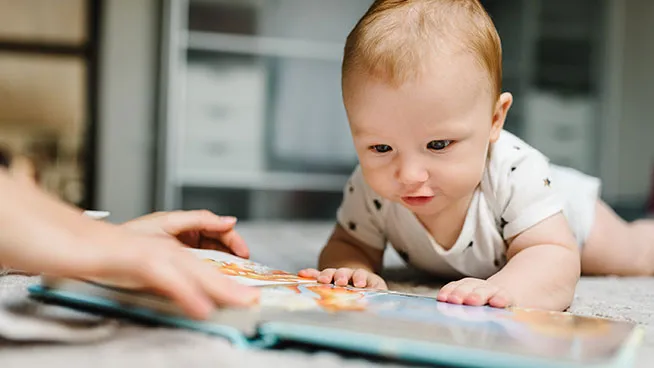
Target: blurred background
[{"x": 234, "y": 105}]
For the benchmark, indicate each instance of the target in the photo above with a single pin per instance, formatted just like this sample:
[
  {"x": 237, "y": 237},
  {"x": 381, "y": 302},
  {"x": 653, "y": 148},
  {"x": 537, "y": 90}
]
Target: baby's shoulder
[
  {"x": 513, "y": 166},
  {"x": 508, "y": 154}
]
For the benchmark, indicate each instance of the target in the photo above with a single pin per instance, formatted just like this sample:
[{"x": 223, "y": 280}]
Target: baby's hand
[
  {"x": 358, "y": 278},
  {"x": 476, "y": 292}
]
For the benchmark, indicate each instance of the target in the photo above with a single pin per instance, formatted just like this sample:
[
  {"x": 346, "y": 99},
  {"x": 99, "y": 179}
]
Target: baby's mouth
[{"x": 417, "y": 200}]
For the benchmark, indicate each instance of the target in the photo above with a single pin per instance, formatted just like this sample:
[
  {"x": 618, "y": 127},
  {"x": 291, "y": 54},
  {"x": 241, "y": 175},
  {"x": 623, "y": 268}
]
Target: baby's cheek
[
  {"x": 461, "y": 177},
  {"x": 381, "y": 181}
]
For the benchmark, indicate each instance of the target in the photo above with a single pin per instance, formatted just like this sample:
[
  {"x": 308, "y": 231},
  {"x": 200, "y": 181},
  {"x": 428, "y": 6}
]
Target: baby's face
[{"x": 424, "y": 144}]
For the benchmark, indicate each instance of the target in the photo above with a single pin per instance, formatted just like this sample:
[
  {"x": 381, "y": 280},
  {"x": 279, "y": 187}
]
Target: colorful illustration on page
[
  {"x": 324, "y": 297},
  {"x": 256, "y": 272},
  {"x": 248, "y": 272}
]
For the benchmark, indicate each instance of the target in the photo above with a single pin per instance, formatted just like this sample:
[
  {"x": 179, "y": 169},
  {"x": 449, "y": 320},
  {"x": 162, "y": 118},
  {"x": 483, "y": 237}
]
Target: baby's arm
[
  {"x": 543, "y": 256},
  {"x": 542, "y": 272},
  {"x": 544, "y": 266},
  {"x": 347, "y": 260},
  {"x": 344, "y": 250}
]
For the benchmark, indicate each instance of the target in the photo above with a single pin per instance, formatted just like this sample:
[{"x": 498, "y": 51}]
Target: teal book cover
[{"x": 381, "y": 323}]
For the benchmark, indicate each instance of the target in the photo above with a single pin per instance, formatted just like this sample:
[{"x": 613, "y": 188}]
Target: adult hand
[
  {"x": 197, "y": 229},
  {"x": 40, "y": 234}
]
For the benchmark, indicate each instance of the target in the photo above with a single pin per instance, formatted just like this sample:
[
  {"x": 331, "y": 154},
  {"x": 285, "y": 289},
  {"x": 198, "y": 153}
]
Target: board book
[{"x": 374, "y": 322}]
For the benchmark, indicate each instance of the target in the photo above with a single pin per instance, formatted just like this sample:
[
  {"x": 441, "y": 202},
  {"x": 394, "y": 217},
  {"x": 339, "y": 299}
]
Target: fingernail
[{"x": 228, "y": 219}]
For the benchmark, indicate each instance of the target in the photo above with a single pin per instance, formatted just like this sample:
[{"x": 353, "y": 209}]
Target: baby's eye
[
  {"x": 381, "y": 148},
  {"x": 438, "y": 145}
]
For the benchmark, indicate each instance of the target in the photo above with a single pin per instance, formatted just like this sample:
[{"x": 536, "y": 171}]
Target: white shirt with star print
[{"x": 519, "y": 189}]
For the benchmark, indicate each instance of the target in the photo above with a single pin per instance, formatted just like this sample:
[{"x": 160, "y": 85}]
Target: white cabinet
[
  {"x": 562, "y": 127},
  {"x": 252, "y": 117},
  {"x": 223, "y": 127}
]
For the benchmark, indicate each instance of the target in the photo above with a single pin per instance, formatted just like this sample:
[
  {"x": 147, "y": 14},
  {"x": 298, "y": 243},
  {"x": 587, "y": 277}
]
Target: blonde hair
[{"x": 395, "y": 39}]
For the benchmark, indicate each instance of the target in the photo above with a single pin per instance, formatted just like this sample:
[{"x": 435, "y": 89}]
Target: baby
[{"x": 440, "y": 180}]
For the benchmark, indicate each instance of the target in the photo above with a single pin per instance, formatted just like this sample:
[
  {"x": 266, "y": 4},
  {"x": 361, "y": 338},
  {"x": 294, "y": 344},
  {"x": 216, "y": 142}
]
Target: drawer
[
  {"x": 218, "y": 117},
  {"x": 243, "y": 86},
  {"x": 217, "y": 154},
  {"x": 224, "y": 131}
]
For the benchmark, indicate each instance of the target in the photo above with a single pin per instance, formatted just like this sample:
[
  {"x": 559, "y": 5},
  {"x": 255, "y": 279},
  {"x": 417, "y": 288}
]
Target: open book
[{"x": 382, "y": 323}]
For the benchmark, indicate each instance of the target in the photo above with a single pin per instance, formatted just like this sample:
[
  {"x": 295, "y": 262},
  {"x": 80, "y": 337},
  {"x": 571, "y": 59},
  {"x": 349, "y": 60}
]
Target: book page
[
  {"x": 248, "y": 272},
  {"x": 418, "y": 319}
]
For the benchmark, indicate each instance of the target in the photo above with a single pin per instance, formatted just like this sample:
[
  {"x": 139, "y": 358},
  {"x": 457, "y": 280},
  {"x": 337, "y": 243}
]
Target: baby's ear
[{"x": 500, "y": 111}]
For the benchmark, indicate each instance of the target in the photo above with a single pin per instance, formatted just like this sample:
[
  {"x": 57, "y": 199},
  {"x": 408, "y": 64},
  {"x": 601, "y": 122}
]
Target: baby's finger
[
  {"x": 360, "y": 278},
  {"x": 309, "y": 272},
  {"x": 458, "y": 295},
  {"x": 446, "y": 290},
  {"x": 501, "y": 299},
  {"x": 376, "y": 282},
  {"x": 326, "y": 276},
  {"x": 342, "y": 276},
  {"x": 480, "y": 295}
]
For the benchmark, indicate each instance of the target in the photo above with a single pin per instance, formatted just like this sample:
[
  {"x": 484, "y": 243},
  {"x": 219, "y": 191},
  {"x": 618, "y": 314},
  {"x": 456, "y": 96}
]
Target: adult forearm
[{"x": 30, "y": 217}]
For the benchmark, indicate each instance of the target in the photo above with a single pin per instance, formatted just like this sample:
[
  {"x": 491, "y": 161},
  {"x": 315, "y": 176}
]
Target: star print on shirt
[
  {"x": 378, "y": 204},
  {"x": 547, "y": 182},
  {"x": 352, "y": 226}
]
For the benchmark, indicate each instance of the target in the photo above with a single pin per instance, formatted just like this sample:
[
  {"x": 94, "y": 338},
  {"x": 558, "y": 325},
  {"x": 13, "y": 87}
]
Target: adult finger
[
  {"x": 177, "y": 222},
  {"x": 229, "y": 239},
  {"x": 222, "y": 290},
  {"x": 164, "y": 277}
]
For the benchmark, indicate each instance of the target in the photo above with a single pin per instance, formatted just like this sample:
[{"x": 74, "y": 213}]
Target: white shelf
[
  {"x": 266, "y": 46},
  {"x": 263, "y": 180}
]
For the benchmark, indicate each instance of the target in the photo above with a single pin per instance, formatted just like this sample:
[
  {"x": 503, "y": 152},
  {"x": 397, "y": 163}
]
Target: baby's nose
[{"x": 410, "y": 174}]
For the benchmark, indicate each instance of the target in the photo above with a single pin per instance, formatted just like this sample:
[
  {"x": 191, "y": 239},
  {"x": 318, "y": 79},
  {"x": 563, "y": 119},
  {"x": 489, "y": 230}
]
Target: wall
[
  {"x": 127, "y": 102},
  {"x": 637, "y": 125},
  {"x": 626, "y": 152}
]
